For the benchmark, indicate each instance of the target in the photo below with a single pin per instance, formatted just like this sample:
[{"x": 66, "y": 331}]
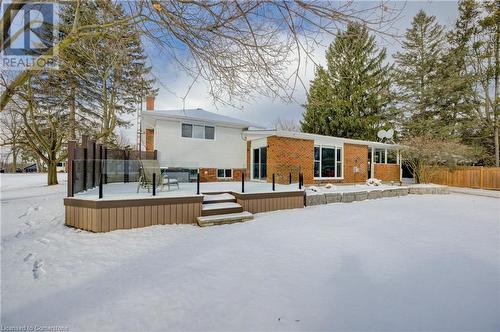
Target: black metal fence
[{"x": 86, "y": 163}]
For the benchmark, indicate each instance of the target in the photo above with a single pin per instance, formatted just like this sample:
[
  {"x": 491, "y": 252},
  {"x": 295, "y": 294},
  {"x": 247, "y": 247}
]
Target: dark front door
[{"x": 259, "y": 167}]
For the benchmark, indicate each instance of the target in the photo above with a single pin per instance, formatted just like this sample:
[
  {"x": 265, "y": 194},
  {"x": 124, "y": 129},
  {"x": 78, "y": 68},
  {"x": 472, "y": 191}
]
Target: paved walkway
[{"x": 478, "y": 192}]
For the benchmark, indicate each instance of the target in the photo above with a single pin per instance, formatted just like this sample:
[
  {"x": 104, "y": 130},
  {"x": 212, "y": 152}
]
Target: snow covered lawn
[{"x": 410, "y": 263}]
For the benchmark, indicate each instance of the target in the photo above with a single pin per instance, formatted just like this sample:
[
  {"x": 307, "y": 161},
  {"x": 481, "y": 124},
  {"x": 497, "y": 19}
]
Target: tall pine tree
[
  {"x": 350, "y": 97},
  {"x": 418, "y": 76}
]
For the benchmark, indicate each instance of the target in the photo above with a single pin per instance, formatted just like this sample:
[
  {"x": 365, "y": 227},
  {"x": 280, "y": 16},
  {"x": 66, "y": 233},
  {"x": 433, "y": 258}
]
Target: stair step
[
  {"x": 220, "y": 208},
  {"x": 221, "y": 219},
  {"x": 218, "y": 198}
]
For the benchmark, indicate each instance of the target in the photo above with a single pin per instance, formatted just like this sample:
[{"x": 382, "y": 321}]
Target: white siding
[{"x": 227, "y": 150}]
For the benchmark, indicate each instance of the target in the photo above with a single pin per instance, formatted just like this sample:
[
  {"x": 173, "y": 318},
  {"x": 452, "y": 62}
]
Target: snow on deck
[
  {"x": 418, "y": 262},
  {"x": 129, "y": 190},
  {"x": 216, "y": 206},
  {"x": 218, "y": 197}
]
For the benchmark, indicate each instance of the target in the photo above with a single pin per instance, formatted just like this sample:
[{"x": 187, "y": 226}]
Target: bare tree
[
  {"x": 238, "y": 47},
  {"x": 10, "y": 134},
  {"x": 287, "y": 124},
  {"x": 421, "y": 153}
]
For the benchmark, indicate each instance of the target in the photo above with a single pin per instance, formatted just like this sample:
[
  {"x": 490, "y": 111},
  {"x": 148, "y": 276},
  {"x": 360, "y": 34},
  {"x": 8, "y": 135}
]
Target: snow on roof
[{"x": 198, "y": 114}]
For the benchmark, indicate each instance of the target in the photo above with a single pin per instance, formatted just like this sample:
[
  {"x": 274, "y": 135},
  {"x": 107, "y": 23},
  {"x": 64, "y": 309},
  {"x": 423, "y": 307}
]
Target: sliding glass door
[{"x": 259, "y": 167}]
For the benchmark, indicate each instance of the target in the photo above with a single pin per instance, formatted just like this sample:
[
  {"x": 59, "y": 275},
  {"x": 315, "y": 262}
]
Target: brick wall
[
  {"x": 150, "y": 139},
  {"x": 150, "y": 103},
  {"x": 288, "y": 155},
  {"x": 210, "y": 175},
  {"x": 387, "y": 172},
  {"x": 355, "y": 157}
]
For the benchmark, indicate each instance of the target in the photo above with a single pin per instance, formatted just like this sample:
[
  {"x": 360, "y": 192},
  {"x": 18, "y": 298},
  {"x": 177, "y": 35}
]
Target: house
[{"x": 223, "y": 148}]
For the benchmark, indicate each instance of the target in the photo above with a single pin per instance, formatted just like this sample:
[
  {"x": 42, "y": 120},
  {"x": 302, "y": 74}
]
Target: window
[
  {"x": 187, "y": 130},
  {"x": 198, "y": 131},
  {"x": 224, "y": 173},
  {"x": 379, "y": 157},
  {"x": 209, "y": 132},
  {"x": 317, "y": 161},
  {"x": 392, "y": 157},
  {"x": 327, "y": 162}
]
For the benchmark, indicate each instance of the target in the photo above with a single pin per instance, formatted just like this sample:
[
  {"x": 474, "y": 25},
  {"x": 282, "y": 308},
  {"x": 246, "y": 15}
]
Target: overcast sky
[{"x": 174, "y": 84}]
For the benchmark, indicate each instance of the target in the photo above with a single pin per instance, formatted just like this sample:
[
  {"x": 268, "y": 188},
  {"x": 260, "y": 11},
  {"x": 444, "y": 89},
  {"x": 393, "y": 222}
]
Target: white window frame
[
  {"x": 193, "y": 124},
  {"x": 224, "y": 177},
  {"x": 321, "y": 146}
]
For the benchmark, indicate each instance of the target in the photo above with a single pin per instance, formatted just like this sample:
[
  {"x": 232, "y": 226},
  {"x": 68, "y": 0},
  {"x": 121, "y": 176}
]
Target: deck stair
[{"x": 220, "y": 209}]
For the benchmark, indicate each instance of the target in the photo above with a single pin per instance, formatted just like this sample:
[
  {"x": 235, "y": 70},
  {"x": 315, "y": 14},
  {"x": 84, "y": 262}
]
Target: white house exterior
[
  {"x": 196, "y": 138},
  {"x": 224, "y": 148}
]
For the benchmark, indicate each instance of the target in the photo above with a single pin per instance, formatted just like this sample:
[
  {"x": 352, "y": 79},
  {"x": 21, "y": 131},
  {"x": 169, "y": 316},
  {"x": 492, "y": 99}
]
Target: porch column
[
  {"x": 400, "y": 167},
  {"x": 385, "y": 156},
  {"x": 372, "y": 166}
]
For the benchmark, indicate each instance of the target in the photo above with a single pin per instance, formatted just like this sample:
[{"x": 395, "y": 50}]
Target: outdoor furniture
[
  {"x": 146, "y": 171},
  {"x": 170, "y": 182}
]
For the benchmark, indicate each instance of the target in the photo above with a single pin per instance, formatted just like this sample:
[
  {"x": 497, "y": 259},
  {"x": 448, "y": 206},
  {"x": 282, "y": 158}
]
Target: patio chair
[
  {"x": 146, "y": 171},
  {"x": 170, "y": 182}
]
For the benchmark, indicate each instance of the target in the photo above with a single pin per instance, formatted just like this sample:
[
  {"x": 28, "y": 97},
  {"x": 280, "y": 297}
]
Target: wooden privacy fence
[
  {"x": 86, "y": 163},
  {"x": 469, "y": 177}
]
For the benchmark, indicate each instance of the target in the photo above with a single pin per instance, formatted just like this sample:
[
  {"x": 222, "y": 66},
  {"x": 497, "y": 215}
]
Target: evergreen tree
[
  {"x": 418, "y": 76},
  {"x": 457, "y": 96},
  {"x": 106, "y": 73},
  {"x": 350, "y": 98}
]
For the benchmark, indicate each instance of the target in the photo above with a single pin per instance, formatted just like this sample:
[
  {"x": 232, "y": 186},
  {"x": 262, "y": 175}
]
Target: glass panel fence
[{"x": 122, "y": 179}]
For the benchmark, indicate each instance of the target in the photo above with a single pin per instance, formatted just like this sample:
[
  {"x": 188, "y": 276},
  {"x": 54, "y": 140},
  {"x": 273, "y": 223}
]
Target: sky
[{"x": 173, "y": 84}]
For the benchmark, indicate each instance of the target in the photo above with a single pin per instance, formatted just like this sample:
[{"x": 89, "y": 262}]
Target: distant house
[{"x": 225, "y": 148}]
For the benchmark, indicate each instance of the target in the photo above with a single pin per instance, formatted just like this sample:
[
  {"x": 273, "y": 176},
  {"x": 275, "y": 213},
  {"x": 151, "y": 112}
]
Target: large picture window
[
  {"x": 198, "y": 131},
  {"x": 327, "y": 162}
]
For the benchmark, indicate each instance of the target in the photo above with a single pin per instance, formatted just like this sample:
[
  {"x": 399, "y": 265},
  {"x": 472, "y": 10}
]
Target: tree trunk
[
  {"x": 14, "y": 158},
  {"x": 52, "y": 173}
]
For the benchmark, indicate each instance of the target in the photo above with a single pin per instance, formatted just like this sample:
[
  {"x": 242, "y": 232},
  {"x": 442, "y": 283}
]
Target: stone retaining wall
[{"x": 355, "y": 196}]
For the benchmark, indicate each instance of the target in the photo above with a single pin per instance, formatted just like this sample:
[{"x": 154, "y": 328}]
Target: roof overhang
[
  {"x": 150, "y": 117},
  {"x": 255, "y": 134}
]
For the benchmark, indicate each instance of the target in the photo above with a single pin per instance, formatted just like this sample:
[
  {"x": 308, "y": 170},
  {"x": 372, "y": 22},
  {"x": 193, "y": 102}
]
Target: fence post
[
  {"x": 274, "y": 183},
  {"x": 70, "y": 165},
  {"x": 71, "y": 193},
  {"x": 125, "y": 166},
  {"x": 155, "y": 154},
  {"x": 154, "y": 184},
  {"x": 93, "y": 164},
  {"x": 84, "y": 168},
  {"x": 100, "y": 160},
  {"x": 243, "y": 182},
  {"x": 300, "y": 181},
  {"x": 105, "y": 165},
  {"x": 198, "y": 183},
  {"x": 290, "y": 178},
  {"x": 100, "y": 185}
]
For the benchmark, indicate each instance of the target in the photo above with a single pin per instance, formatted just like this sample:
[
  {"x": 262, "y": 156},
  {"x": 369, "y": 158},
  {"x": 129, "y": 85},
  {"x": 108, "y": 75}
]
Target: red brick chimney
[{"x": 150, "y": 103}]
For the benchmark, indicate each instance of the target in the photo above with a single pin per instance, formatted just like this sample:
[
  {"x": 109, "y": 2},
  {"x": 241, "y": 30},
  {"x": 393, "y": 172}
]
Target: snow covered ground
[{"x": 410, "y": 263}]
